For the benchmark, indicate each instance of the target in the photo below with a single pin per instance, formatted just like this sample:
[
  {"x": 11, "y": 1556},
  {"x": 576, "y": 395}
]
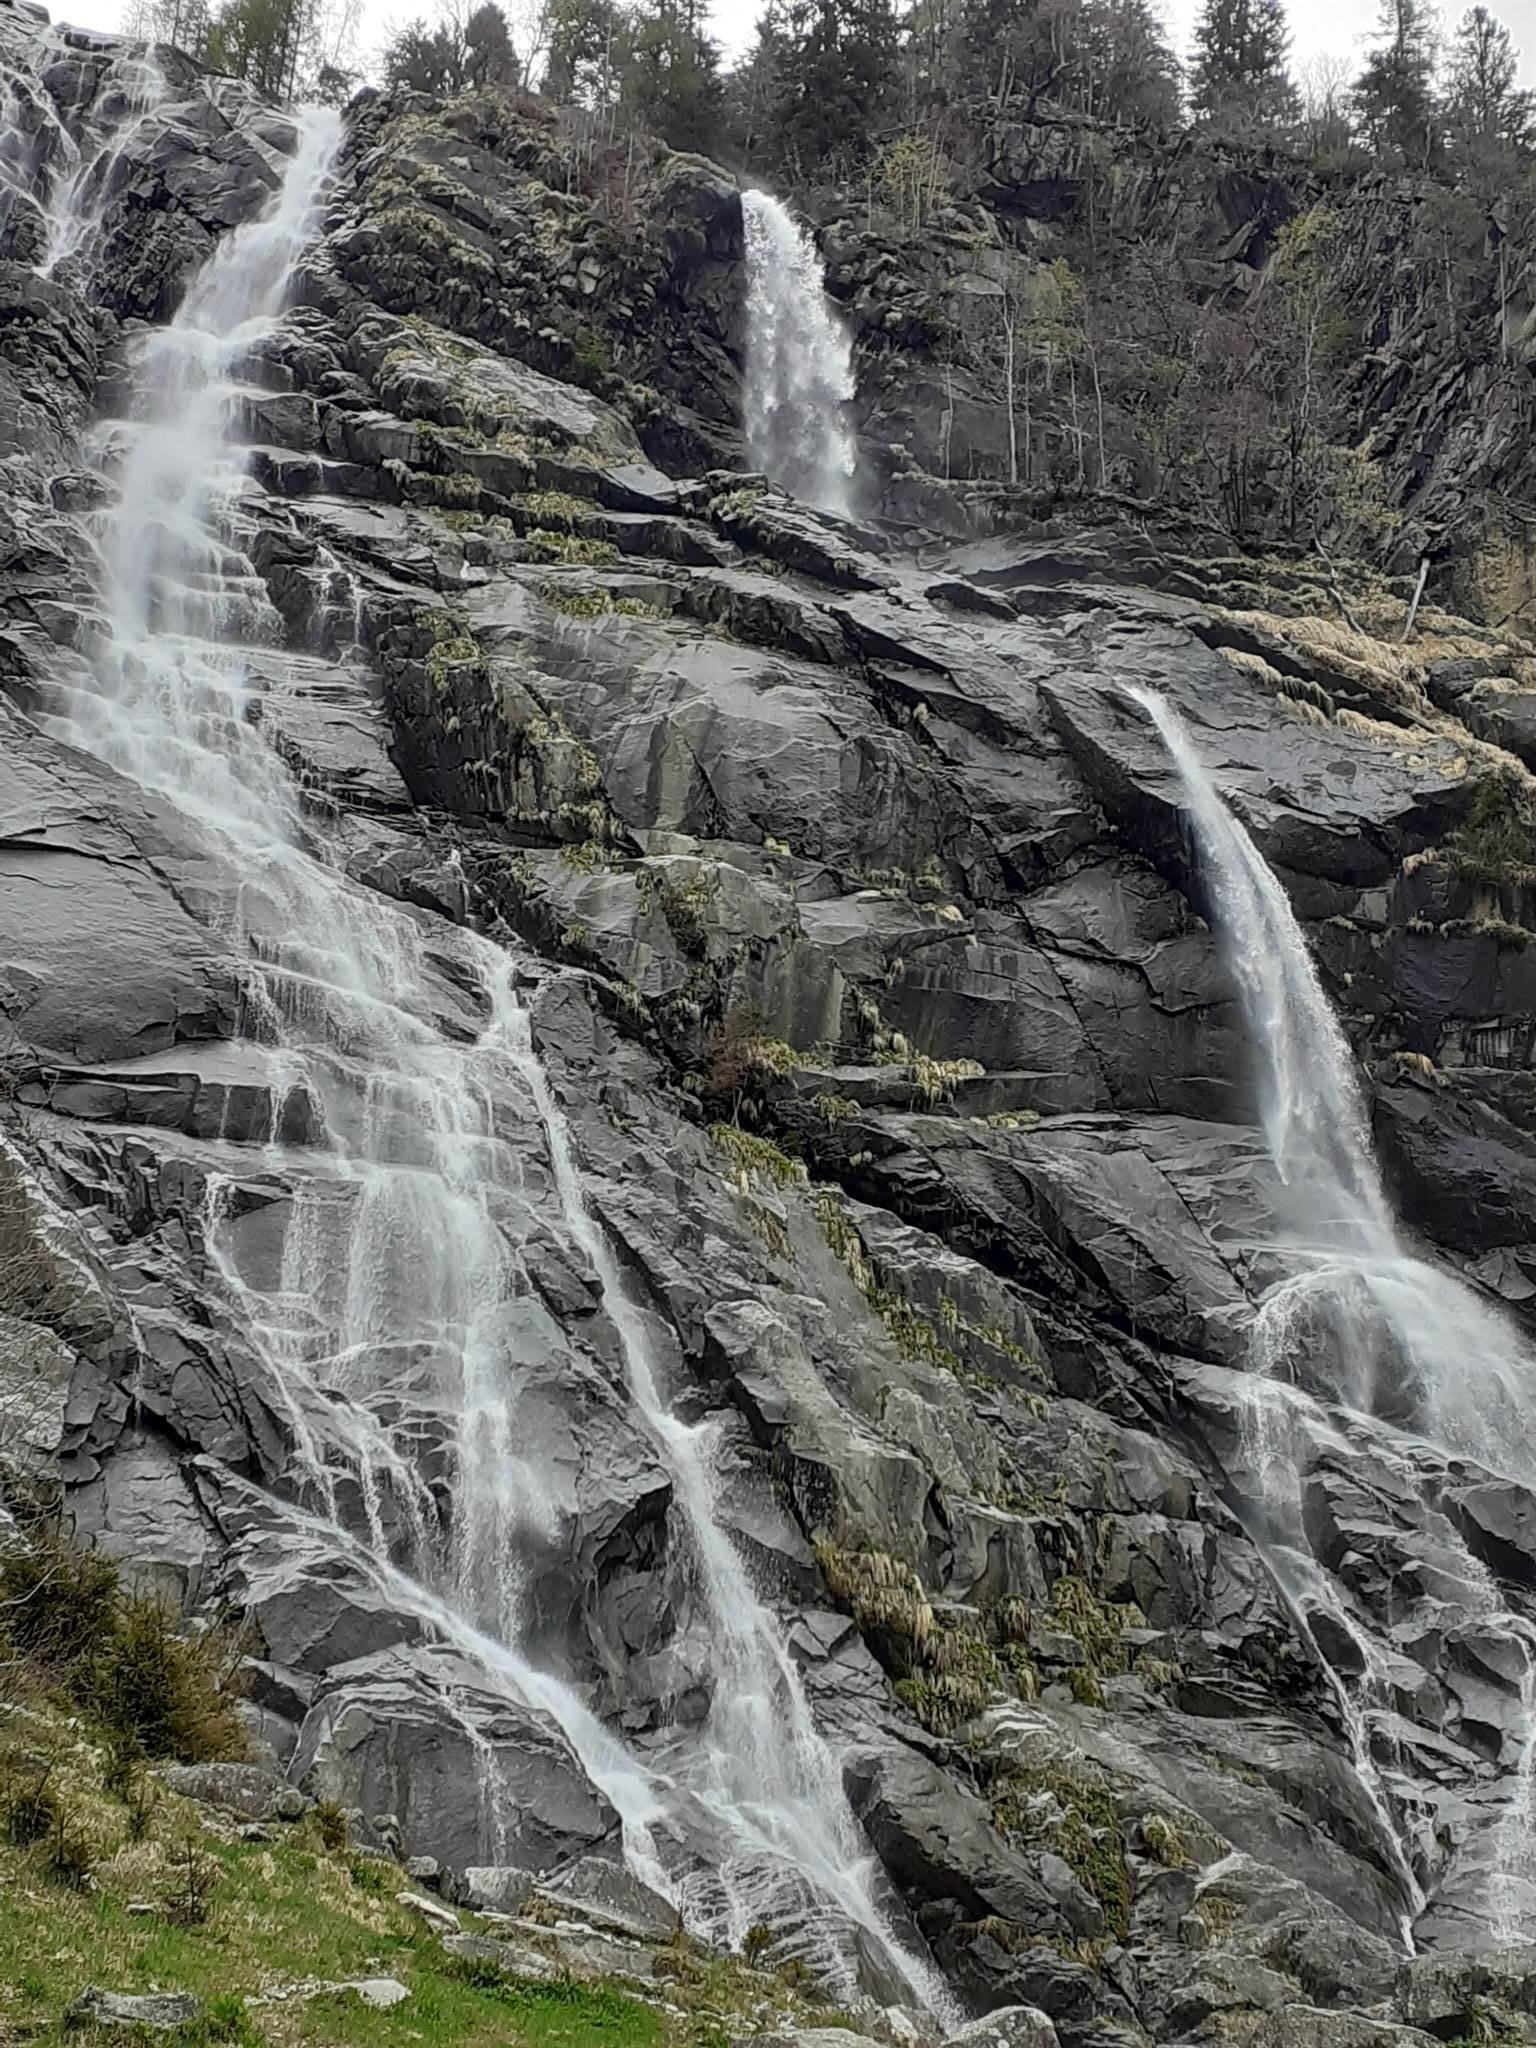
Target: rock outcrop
[{"x": 867, "y": 958}]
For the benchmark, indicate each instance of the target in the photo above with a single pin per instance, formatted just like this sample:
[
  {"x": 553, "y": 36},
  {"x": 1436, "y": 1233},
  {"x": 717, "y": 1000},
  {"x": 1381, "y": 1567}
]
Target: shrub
[
  {"x": 756, "y": 1942},
  {"x": 28, "y": 1808},
  {"x": 1071, "y": 1811},
  {"x": 57, "y": 1603},
  {"x": 159, "y": 1692},
  {"x": 332, "y": 1826},
  {"x": 71, "y": 1851},
  {"x": 123, "y": 1767},
  {"x": 1497, "y": 844},
  {"x": 194, "y": 1877},
  {"x": 172, "y": 1693}
]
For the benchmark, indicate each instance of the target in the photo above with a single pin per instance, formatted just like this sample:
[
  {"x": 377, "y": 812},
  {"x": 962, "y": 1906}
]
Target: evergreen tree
[
  {"x": 671, "y": 80},
  {"x": 1394, "y": 95},
  {"x": 462, "y": 50},
  {"x": 587, "y": 44},
  {"x": 1486, "y": 112},
  {"x": 489, "y": 58},
  {"x": 1238, "y": 80},
  {"x": 1129, "y": 71},
  {"x": 426, "y": 59},
  {"x": 265, "y": 42},
  {"x": 182, "y": 22},
  {"x": 1022, "y": 51},
  {"x": 839, "y": 81},
  {"x": 754, "y": 92}
]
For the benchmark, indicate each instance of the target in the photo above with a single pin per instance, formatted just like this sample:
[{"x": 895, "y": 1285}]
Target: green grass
[
  {"x": 299, "y": 1907},
  {"x": 279, "y": 1913}
]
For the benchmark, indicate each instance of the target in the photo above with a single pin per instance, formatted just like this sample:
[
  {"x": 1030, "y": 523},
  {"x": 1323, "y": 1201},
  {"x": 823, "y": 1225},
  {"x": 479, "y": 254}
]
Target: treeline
[
  {"x": 828, "y": 84},
  {"x": 285, "y": 49}
]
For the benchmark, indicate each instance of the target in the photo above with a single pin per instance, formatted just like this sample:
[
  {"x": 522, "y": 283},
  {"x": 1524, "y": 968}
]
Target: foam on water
[{"x": 401, "y": 1315}]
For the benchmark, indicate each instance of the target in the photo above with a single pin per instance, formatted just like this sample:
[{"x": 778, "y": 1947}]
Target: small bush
[
  {"x": 28, "y": 1808},
  {"x": 139, "y": 1807},
  {"x": 57, "y": 1603},
  {"x": 64, "y": 1614},
  {"x": 172, "y": 1693},
  {"x": 124, "y": 1778},
  {"x": 756, "y": 1942},
  {"x": 593, "y": 361},
  {"x": 71, "y": 1852},
  {"x": 332, "y": 1825},
  {"x": 1497, "y": 844},
  {"x": 194, "y": 1878},
  {"x": 367, "y": 1875},
  {"x": 124, "y": 1766}
]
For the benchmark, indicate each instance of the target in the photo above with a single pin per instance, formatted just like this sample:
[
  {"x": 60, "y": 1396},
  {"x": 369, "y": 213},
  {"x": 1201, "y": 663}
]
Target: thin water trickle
[
  {"x": 799, "y": 379},
  {"x": 60, "y": 165},
  {"x": 1359, "y": 1320},
  {"x": 397, "y": 1325}
]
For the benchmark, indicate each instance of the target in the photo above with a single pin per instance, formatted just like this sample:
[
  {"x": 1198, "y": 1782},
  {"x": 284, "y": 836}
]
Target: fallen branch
[{"x": 1413, "y": 609}]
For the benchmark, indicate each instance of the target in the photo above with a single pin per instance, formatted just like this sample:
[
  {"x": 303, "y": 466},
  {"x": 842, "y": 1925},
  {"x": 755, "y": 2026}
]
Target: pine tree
[
  {"x": 265, "y": 42},
  {"x": 587, "y": 41},
  {"x": 1129, "y": 71},
  {"x": 489, "y": 58},
  {"x": 839, "y": 81},
  {"x": 1394, "y": 94},
  {"x": 1486, "y": 112},
  {"x": 464, "y": 49},
  {"x": 1022, "y": 51},
  {"x": 671, "y": 82},
  {"x": 754, "y": 93},
  {"x": 1238, "y": 80}
]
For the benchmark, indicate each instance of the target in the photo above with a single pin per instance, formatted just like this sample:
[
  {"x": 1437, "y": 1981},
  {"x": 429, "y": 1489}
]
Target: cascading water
[
  {"x": 59, "y": 168},
  {"x": 398, "y": 1326},
  {"x": 1392, "y": 1335},
  {"x": 799, "y": 363}
]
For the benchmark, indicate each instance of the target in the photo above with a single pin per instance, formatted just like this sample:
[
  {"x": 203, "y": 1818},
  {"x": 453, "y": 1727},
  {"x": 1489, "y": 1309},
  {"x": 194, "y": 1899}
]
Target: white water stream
[
  {"x": 401, "y": 1318},
  {"x": 62, "y": 165},
  {"x": 798, "y": 381},
  {"x": 1393, "y": 1335}
]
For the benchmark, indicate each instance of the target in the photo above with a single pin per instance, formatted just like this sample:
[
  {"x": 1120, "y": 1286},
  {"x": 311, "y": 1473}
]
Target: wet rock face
[{"x": 869, "y": 959}]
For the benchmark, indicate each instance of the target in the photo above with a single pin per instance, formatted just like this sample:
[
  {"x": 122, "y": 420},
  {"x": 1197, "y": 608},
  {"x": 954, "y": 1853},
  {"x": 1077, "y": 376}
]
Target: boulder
[
  {"x": 248, "y": 1789},
  {"x": 159, "y": 2012},
  {"x": 607, "y": 1896},
  {"x": 1010, "y": 2026}
]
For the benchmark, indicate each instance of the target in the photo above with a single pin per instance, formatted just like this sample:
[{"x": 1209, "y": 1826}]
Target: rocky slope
[{"x": 865, "y": 953}]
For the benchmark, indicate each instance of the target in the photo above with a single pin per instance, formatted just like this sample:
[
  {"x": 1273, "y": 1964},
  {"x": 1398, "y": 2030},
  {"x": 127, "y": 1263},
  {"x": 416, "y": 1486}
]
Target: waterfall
[
  {"x": 57, "y": 170},
  {"x": 1393, "y": 1335},
  {"x": 799, "y": 363},
  {"x": 402, "y": 1331}
]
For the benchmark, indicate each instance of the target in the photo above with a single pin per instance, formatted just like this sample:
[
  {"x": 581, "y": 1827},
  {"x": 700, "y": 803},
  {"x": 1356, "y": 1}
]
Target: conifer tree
[
  {"x": 587, "y": 43},
  {"x": 1238, "y": 80},
  {"x": 464, "y": 49},
  {"x": 754, "y": 92},
  {"x": 1394, "y": 94},
  {"x": 1486, "y": 112},
  {"x": 1129, "y": 71},
  {"x": 671, "y": 83},
  {"x": 1022, "y": 52},
  {"x": 839, "y": 80}
]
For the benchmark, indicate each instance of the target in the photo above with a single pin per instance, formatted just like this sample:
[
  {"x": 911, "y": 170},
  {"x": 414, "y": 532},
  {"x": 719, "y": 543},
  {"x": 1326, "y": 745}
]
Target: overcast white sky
[{"x": 1338, "y": 27}]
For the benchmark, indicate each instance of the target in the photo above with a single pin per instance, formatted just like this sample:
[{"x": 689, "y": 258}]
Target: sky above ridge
[{"x": 1337, "y": 28}]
